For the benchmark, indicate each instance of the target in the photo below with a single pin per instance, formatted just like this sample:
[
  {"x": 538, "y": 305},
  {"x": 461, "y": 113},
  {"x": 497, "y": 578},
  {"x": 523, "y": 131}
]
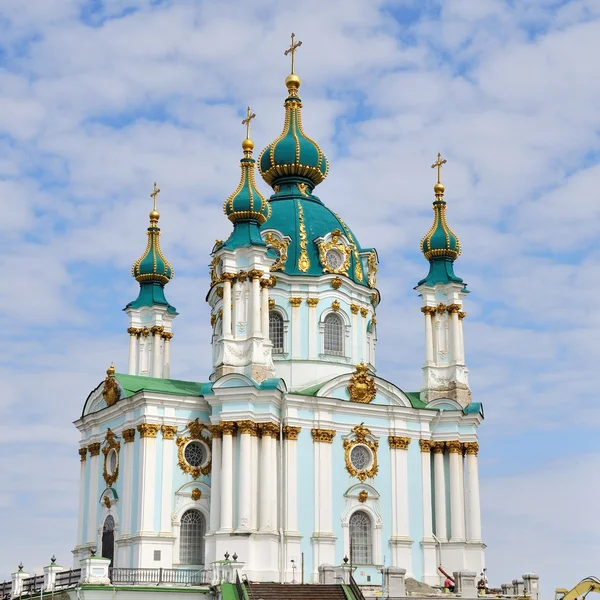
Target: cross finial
[
  {"x": 249, "y": 116},
  {"x": 154, "y": 194},
  {"x": 438, "y": 163},
  {"x": 292, "y": 49}
]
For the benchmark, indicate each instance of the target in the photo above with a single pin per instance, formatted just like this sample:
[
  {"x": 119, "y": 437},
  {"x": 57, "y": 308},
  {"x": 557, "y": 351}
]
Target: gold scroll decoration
[
  {"x": 110, "y": 443},
  {"x": 196, "y": 429},
  {"x": 335, "y": 243},
  {"x": 361, "y": 438},
  {"x": 362, "y": 385}
]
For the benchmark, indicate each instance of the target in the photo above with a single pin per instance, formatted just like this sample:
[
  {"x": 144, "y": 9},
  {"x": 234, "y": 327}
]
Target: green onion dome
[
  {"x": 293, "y": 153},
  {"x": 152, "y": 266},
  {"x": 247, "y": 203}
]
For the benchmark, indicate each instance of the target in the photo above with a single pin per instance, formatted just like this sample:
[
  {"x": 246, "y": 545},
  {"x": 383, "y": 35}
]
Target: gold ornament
[
  {"x": 312, "y": 302},
  {"x": 110, "y": 444},
  {"x": 364, "y": 312},
  {"x": 336, "y": 283},
  {"x": 303, "y": 261},
  {"x": 110, "y": 392},
  {"x": 441, "y": 308},
  {"x": 426, "y": 445},
  {"x": 335, "y": 306},
  {"x": 271, "y": 304},
  {"x": 148, "y": 430},
  {"x": 335, "y": 244},
  {"x": 362, "y": 386},
  {"x": 398, "y": 443},
  {"x": 372, "y": 265},
  {"x": 323, "y": 435},
  {"x": 214, "y": 274},
  {"x": 82, "y": 454},
  {"x": 302, "y": 187},
  {"x": 361, "y": 438},
  {"x": 471, "y": 448},
  {"x": 196, "y": 430},
  {"x": 168, "y": 432},
  {"x": 454, "y": 447},
  {"x": 269, "y": 430},
  {"x": 358, "y": 272},
  {"x": 439, "y": 447},
  {"x": 215, "y": 431},
  {"x": 247, "y": 427},
  {"x": 106, "y": 501},
  {"x": 255, "y": 274},
  {"x": 128, "y": 435},
  {"x": 363, "y": 495},
  {"x": 295, "y": 302},
  {"x": 290, "y": 432},
  {"x": 196, "y": 494},
  {"x": 462, "y": 315},
  {"x": 94, "y": 449}
]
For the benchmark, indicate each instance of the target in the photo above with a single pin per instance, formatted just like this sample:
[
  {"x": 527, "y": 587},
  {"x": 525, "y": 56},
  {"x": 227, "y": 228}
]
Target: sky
[{"x": 99, "y": 99}]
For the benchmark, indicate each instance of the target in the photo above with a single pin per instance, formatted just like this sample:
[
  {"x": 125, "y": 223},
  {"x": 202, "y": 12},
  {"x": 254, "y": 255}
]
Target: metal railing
[
  {"x": 5, "y": 589},
  {"x": 186, "y": 577},
  {"x": 67, "y": 578},
  {"x": 358, "y": 595},
  {"x": 32, "y": 585}
]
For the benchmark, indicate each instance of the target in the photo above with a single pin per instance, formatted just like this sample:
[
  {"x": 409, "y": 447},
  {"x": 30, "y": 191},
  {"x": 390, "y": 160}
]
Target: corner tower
[
  {"x": 442, "y": 291},
  {"x": 322, "y": 307},
  {"x": 150, "y": 314}
]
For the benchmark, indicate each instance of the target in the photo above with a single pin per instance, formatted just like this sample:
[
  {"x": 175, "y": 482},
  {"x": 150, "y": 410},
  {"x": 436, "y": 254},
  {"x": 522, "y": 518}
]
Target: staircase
[{"x": 290, "y": 591}]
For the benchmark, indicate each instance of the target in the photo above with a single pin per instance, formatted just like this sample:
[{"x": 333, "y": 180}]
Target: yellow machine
[{"x": 582, "y": 589}]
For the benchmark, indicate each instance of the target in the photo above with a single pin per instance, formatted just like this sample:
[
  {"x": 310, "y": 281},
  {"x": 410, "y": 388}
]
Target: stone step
[{"x": 278, "y": 591}]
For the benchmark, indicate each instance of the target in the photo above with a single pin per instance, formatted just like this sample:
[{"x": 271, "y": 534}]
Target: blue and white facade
[{"x": 293, "y": 447}]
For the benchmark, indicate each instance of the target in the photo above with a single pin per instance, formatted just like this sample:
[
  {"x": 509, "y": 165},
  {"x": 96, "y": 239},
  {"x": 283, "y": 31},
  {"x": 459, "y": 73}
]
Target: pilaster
[
  {"x": 92, "y": 532},
  {"x": 166, "y": 502}
]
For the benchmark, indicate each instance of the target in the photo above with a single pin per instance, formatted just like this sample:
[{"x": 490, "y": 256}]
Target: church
[{"x": 292, "y": 453}]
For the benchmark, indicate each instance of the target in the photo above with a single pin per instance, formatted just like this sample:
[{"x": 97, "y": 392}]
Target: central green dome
[{"x": 293, "y": 153}]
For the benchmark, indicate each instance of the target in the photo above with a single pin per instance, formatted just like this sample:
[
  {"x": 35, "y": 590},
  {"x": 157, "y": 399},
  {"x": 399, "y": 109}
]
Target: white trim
[{"x": 371, "y": 507}]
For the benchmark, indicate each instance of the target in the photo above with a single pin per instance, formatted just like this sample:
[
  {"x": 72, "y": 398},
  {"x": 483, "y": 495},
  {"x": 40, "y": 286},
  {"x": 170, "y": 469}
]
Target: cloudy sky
[{"x": 98, "y": 99}]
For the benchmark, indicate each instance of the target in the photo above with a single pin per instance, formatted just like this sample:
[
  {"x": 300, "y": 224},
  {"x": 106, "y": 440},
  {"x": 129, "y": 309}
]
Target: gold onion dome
[
  {"x": 247, "y": 203},
  {"x": 152, "y": 266},
  {"x": 293, "y": 154}
]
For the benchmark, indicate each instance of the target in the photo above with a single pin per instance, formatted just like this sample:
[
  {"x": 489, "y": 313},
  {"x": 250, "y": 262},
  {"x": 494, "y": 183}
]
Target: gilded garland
[
  {"x": 196, "y": 430},
  {"x": 362, "y": 386},
  {"x": 281, "y": 247},
  {"x": 361, "y": 438},
  {"x": 335, "y": 244},
  {"x": 111, "y": 473}
]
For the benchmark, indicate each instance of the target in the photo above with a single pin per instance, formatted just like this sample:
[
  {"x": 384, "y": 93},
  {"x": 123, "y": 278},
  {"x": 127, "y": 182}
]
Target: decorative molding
[
  {"x": 271, "y": 304},
  {"x": 372, "y": 269},
  {"x": 398, "y": 443},
  {"x": 428, "y": 310},
  {"x": 312, "y": 301},
  {"x": 454, "y": 308},
  {"x": 110, "y": 444},
  {"x": 216, "y": 431},
  {"x": 83, "y": 454},
  {"x": 157, "y": 329},
  {"x": 335, "y": 306},
  {"x": 128, "y": 435},
  {"x": 148, "y": 430},
  {"x": 361, "y": 438},
  {"x": 247, "y": 427},
  {"x": 94, "y": 449},
  {"x": 336, "y": 283},
  {"x": 354, "y": 308},
  {"x": 255, "y": 274},
  {"x": 374, "y": 298},
  {"x": 363, "y": 495},
  {"x": 242, "y": 276},
  {"x": 110, "y": 392},
  {"x": 167, "y": 335},
  {"x": 269, "y": 430},
  {"x": 336, "y": 244},
  {"x": 362, "y": 386},
  {"x": 196, "y": 430},
  {"x": 303, "y": 260},
  {"x": 323, "y": 435},
  {"x": 219, "y": 292},
  {"x": 441, "y": 308},
  {"x": 471, "y": 448},
  {"x": 133, "y": 331},
  {"x": 364, "y": 312},
  {"x": 454, "y": 447},
  {"x": 228, "y": 427},
  {"x": 426, "y": 445},
  {"x": 281, "y": 247},
  {"x": 228, "y": 277},
  {"x": 291, "y": 433},
  {"x": 196, "y": 494},
  {"x": 295, "y": 302},
  {"x": 439, "y": 447},
  {"x": 169, "y": 431},
  {"x": 462, "y": 315}
]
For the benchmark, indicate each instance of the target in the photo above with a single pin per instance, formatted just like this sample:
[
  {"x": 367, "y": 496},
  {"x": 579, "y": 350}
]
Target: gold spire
[
  {"x": 248, "y": 144},
  {"x": 154, "y": 214},
  {"x": 292, "y": 81},
  {"x": 438, "y": 188}
]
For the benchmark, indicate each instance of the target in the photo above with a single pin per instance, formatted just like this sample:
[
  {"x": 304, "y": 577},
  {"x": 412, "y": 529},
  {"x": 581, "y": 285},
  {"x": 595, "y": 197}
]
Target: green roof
[
  {"x": 132, "y": 384},
  {"x": 151, "y": 294},
  {"x": 415, "y": 399}
]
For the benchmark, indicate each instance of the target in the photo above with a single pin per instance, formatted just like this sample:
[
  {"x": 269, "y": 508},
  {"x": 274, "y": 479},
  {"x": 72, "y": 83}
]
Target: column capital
[
  {"x": 426, "y": 445},
  {"x": 323, "y": 435},
  {"x": 255, "y": 274},
  {"x": 265, "y": 283},
  {"x": 169, "y": 431},
  {"x": 157, "y": 329},
  {"x": 148, "y": 430},
  {"x": 167, "y": 335},
  {"x": 295, "y": 302},
  {"x": 462, "y": 315},
  {"x": 439, "y": 447},
  {"x": 471, "y": 448},
  {"x": 133, "y": 331},
  {"x": 428, "y": 310},
  {"x": 364, "y": 312},
  {"x": 242, "y": 276},
  {"x": 354, "y": 308},
  {"x": 312, "y": 302},
  {"x": 128, "y": 435},
  {"x": 219, "y": 291},
  {"x": 216, "y": 431},
  {"x": 454, "y": 308},
  {"x": 269, "y": 430},
  {"x": 228, "y": 277},
  {"x": 291, "y": 433},
  {"x": 247, "y": 427},
  {"x": 398, "y": 443},
  {"x": 82, "y": 454},
  {"x": 94, "y": 449},
  {"x": 454, "y": 447},
  {"x": 227, "y": 427}
]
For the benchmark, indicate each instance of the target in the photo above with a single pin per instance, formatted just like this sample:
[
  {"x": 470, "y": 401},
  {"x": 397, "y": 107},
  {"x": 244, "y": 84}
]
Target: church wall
[
  {"x": 135, "y": 495},
  {"x": 415, "y": 509},
  {"x": 306, "y": 494},
  {"x": 159, "y": 482},
  {"x": 447, "y": 485},
  {"x": 86, "y": 505},
  {"x": 383, "y": 484}
]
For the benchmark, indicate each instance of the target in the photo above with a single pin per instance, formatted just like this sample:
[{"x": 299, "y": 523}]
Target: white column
[
  {"x": 454, "y": 334},
  {"x": 400, "y": 503},
  {"x": 461, "y": 478},
  {"x": 461, "y": 316},
  {"x": 439, "y": 478},
  {"x": 215, "y": 479},
  {"x": 426, "y": 487},
  {"x": 227, "y": 477},
  {"x": 296, "y": 330},
  {"x": 354, "y": 308},
  {"x": 227, "y": 277},
  {"x": 127, "y": 469},
  {"x": 427, "y": 311},
  {"x": 254, "y": 483},
  {"x": 456, "y": 505},
  {"x": 167, "y": 336},
  {"x": 147, "y": 482},
  {"x": 266, "y": 474},
  {"x": 133, "y": 335},
  {"x": 245, "y": 430},
  {"x": 83, "y": 464},
  {"x": 290, "y": 436},
  {"x": 255, "y": 275},
  {"x": 166, "y": 501},
  {"x": 323, "y": 439},
  {"x": 313, "y": 350},
  {"x": 156, "y": 353},
  {"x": 363, "y": 332},
  {"x": 93, "y": 499},
  {"x": 473, "y": 492},
  {"x": 264, "y": 309}
]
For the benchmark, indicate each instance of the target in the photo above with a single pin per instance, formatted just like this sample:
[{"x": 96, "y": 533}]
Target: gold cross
[
  {"x": 439, "y": 164},
  {"x": 249, "y": 116},
  {"x": 293, "y": 47},
  {"x": 155, "y": 192}
]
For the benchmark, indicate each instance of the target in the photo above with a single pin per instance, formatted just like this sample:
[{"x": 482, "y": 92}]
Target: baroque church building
[{"x": 293, "y": 453}]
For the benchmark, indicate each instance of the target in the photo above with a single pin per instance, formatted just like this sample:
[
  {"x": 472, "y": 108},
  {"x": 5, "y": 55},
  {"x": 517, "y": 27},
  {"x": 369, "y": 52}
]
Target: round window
[
  {"x": 195, "y": 454},
  {"x": 112, "y": 462},
  {"x": 360, "y": 457},
  {"x": 334, "y": 259}
]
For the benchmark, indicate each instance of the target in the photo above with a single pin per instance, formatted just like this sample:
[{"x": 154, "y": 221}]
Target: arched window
[
  {"x": 276, "y": 331},
  {"x": 334, "y": 335},
  {"x": 191, "y": 538},
  {"x": 108, "y": 539},
  {"x": 361, "y": 540}
]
